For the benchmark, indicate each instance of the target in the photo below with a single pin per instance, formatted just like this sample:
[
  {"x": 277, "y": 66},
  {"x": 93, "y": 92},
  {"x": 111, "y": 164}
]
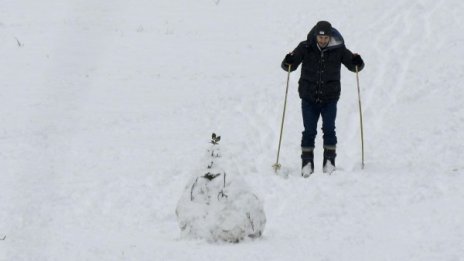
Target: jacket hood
[{"x": 336, "y": 39}]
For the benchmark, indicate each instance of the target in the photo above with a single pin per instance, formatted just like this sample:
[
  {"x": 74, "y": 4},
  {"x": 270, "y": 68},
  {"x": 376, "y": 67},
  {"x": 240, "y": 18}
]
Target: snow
[
  {"x": 217, "y": 205},
  {"x": 106, "y": 109}
]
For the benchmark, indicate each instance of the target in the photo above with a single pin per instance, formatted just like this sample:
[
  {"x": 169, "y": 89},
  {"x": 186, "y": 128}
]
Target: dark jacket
[{"x": 320, "y": 70}]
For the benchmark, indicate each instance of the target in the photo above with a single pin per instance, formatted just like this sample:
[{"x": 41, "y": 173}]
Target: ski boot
[
  {"x": 307, "y": 166},
  {"x": 328, "y": 165}
]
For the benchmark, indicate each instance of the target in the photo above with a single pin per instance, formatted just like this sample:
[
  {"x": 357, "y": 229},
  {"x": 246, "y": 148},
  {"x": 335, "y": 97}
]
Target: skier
[{"x": 321, "y": 56}]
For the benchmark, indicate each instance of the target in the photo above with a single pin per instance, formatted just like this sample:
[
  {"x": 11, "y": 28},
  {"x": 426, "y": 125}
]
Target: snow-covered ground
[{"x": 106, "y": 108}]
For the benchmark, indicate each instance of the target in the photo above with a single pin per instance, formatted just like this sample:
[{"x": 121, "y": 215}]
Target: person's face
[{"x": 323, "y": 40}]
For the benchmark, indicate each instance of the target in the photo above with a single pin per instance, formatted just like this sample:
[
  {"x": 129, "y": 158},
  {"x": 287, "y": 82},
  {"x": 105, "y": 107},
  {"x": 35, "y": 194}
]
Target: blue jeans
[{"x": 311, "y": 112}]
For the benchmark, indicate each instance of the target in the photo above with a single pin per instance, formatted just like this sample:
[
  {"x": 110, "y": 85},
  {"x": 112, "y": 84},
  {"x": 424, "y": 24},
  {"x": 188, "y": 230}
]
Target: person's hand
[
  {"x": 289, "y": 59},
  {"x": 357, "y": 60}
]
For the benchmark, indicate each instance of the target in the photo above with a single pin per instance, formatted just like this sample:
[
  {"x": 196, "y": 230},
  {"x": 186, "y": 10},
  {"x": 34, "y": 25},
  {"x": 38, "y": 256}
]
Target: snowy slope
[{"x": 107, "y": 108}]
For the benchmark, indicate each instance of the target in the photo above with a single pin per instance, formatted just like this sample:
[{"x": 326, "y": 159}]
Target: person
[{"x": 321, "y": 56}]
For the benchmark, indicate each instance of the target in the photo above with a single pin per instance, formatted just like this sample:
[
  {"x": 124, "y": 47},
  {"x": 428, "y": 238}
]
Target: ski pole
[
  {"x": 277, "y": 166},
  {"x": 360, "y": 118}
]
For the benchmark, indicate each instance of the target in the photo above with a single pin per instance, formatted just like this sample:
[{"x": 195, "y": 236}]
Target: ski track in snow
[{"x": 108, "y": 109}]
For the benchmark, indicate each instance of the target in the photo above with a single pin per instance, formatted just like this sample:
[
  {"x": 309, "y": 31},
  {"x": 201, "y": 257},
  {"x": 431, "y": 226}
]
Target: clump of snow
[{"x": 219, "y": 206}]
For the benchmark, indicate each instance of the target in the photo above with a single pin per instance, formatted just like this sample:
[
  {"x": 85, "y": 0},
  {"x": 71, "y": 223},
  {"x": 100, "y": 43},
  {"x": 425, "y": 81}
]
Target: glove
[
  {"x": 289, "y": 59},
  {"x": 357, "y": 60}
]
